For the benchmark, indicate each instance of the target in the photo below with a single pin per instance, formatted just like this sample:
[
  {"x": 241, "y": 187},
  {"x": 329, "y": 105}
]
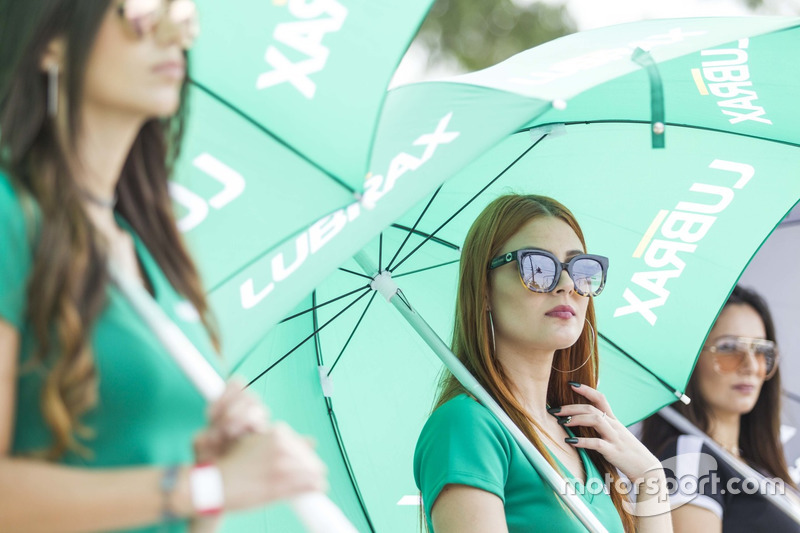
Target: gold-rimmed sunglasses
[
  {"x": 729, "y": 352},
  {"x": 141, "y": 17}
]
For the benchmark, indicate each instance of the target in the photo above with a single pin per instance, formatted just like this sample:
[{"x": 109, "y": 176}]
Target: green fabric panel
[
  {"x": 15, "y": 255},
  {"x": 313, "y": 73}
]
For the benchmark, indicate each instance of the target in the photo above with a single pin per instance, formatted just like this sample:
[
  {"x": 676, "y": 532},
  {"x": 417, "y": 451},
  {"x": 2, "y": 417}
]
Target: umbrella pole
[
  {"x": 766, "y": 487},
  {"x": 383, "y": 283},
  {"x": 316, "y": 511}
]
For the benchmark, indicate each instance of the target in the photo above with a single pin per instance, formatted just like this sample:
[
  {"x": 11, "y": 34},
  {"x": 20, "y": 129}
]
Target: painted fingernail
[
  {"x": 574, "y": 384},
  {"x": 554, "y": 410},
  {"x": 571, "y": 440},
  {"x": 565, "y": 420}
]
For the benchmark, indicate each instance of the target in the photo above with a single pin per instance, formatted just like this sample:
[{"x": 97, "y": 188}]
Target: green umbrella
[
  {"x": 679, "y": 224},
  {"x": 285, "y": 100}
]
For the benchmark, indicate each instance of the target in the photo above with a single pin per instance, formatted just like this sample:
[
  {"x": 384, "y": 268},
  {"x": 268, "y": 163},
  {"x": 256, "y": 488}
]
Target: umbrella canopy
[
  {"x": 279, "y": 153},
  {"x": 679, "y": 224}
]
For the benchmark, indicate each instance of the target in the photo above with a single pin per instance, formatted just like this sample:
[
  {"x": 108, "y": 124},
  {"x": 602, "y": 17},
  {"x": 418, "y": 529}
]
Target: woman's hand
[
  {"x": 260, "y": 463},
  {"x": 235, "y": 414},
  {"x": 618, "y": 445},
  {"x": 275, "y": 465}
]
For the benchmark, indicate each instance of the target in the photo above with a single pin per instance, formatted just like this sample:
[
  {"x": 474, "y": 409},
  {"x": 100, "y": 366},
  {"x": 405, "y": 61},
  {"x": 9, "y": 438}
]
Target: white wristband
[{"x": 208, "y": 495}]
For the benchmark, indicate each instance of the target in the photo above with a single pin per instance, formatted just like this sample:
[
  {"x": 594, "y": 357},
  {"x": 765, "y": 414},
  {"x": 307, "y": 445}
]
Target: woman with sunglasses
[
  {"x": 99, "y": 428},
  {"x": 735, "y": 390},
  {"x": 525, "y": 328}
]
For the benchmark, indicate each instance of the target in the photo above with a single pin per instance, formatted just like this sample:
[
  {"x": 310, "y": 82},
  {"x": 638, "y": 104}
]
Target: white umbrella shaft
[{"x": 316, "y": 511}]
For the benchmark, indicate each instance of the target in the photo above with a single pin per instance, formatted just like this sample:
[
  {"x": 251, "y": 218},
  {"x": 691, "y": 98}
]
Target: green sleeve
[
  {"x": 462, "y": 443},
  {"x": 15, "y": 256}
]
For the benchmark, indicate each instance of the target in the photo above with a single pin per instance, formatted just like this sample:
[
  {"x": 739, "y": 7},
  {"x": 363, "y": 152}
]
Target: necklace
[
  {"x": 101, "y": 202},
  {"x": 732, "y": 450}
]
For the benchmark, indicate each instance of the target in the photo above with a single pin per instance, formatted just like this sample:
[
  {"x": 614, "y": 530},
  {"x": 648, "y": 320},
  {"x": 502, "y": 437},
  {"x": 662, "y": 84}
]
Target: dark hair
[
  {"x": 496, "y": 224},
  {"x": 66, "y": 290},
  {"x": 759, "y": 434}
]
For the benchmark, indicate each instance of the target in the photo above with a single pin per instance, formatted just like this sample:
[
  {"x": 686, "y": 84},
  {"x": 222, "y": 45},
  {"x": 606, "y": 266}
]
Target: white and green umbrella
[{"x": 677, "y": 149}]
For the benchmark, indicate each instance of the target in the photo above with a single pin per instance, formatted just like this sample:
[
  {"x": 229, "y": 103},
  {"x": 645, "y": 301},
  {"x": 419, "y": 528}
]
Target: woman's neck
[
  {"x": 724, "y": 429},
  {"x": 529, "y": 373},
  {"x": 103, "y": 147}
]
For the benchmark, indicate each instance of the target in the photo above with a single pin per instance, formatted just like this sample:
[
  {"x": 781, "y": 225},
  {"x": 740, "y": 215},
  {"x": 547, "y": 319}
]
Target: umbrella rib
[
  {"x": 673, "y": 124},
  {"x": 413, "y": 228},
  {"x": 353, "y": 272},
  {"x": 315, "y": 306},
  {"x": 335, "y": 426},
  {"x": 645, "y": 368},
  {"x": 424, "y": 269},
  {"x": 367, "y": 290},
  {"x": 437, "y": 240},
  {"x": 460, "y": 209},
  {"x": 348, "y": 465},
  {"x": 265, "y": 130},
  {"x": 352, "y": 333}
]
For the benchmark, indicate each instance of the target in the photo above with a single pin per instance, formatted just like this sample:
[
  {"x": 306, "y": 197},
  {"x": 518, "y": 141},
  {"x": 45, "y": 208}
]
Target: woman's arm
[
  {"x": 464, "y": 509},
  {"x": 37, "y": 496},
  {"x": 690, "y": 518}
]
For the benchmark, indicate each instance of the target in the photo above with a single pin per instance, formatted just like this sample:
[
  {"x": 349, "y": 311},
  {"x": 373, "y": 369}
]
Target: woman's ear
[{"x": 53, "y": 55}]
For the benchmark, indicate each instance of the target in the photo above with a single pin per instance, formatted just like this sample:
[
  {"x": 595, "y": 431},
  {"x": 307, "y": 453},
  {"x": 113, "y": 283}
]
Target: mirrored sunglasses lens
[
  {"x": 587, "y": 274},
  {"x": 538, "y": 272}
]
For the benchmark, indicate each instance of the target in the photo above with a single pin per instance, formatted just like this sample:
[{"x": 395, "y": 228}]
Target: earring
[
  {"x": 52, "y": 90},
  {"x": 591, "y": 351},
  {"x": 491, "y": 326}
]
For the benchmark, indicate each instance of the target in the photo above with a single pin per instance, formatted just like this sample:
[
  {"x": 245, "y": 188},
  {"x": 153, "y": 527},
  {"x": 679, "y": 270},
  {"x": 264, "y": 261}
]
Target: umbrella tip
[{"x": 559, "y": 104}]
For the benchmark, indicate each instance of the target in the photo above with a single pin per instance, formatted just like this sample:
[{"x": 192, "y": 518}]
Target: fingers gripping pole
[{"x": 314, "y": 510}]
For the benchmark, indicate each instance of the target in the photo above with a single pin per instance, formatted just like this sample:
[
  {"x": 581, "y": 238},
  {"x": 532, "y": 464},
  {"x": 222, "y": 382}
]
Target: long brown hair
[
  {"x": 496, "y": 224},
  {"x": 759, "y": 432},
  {"x": 67, "y": 284}
]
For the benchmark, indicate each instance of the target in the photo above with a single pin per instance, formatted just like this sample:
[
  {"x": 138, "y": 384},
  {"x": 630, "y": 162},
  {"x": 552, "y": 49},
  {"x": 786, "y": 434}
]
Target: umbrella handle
[{"x": 315, "y": 510}]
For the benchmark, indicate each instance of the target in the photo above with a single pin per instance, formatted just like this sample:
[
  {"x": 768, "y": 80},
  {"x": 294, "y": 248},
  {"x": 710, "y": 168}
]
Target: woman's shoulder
[
  {"x": 464, "y": 418},
  {"x": 465, "y": 411},
  {"x": 16, "y": 252},
  {"x": 15, "y": 207}
]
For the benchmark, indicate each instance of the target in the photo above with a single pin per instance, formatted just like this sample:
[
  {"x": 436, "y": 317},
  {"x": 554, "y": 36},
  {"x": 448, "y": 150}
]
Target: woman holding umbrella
[
  {"x": 525, "y": 329},
  {"x": 99, "y": 429},
  {"x": 735, "y": 391}
]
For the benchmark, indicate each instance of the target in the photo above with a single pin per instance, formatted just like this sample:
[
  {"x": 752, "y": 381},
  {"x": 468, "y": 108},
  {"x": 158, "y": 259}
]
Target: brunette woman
[
  {"x": 99, "y": 429},
  {"x": 736, "y": 399}
]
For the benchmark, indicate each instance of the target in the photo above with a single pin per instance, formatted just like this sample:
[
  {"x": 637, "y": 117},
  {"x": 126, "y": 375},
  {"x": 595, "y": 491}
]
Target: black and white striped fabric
[{"x": 696, "y": 476}]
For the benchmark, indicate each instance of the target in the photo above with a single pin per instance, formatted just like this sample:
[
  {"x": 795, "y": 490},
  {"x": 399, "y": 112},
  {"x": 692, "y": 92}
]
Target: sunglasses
[
  {"x": 729, "y": 353},
  {"x": 540, "y": 271},
  {"x": 142, "y": 17}
]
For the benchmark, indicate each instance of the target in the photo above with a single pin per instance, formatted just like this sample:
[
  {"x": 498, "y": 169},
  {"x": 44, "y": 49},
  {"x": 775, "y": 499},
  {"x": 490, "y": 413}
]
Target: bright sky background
[{"x": 589, "y": 14}]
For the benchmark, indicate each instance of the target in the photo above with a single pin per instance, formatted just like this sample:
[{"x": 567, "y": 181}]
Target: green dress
[
  {"x": 147, "y": 411},
  {"x": 463, "y": 443}
]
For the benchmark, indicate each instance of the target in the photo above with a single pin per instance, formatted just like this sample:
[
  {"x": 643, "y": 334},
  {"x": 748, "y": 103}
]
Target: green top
[
  {"x": 464, "y": 443},
  {"x": 147, "y": 411}
]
